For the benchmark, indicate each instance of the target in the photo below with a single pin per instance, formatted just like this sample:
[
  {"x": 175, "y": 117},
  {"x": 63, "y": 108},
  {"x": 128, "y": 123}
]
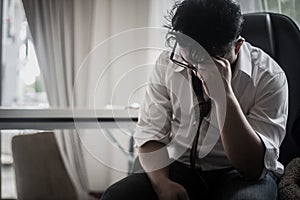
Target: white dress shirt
[{"x": 170, "y": 114}]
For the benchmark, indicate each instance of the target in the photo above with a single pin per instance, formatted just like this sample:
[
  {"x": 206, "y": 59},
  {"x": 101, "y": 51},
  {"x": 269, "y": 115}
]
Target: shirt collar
[{"x": 244, "y": 60}]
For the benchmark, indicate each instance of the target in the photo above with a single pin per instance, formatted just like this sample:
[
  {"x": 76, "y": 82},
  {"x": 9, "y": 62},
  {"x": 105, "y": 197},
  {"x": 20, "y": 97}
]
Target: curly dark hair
[{"x": 214, "y": 24}]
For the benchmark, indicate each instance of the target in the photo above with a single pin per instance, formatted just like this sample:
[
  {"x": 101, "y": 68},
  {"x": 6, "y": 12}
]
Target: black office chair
[{"x": 279, "y": 36}]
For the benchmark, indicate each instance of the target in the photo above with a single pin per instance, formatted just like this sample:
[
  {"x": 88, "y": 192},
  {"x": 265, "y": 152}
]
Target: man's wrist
[
  {"x": 228, "y": 95},
  {"x": 159, "y": 183}
]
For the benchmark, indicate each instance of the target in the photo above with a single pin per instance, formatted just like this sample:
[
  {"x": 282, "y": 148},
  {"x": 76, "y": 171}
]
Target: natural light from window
[{"x": 22, "y": 83}]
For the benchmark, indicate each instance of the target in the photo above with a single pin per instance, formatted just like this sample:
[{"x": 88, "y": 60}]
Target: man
[{"x": 222, "y": 117}]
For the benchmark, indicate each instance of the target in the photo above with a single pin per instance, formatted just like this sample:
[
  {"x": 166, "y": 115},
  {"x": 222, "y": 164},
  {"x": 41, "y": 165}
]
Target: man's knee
[
  {"x": 136, "y": 186},
  {"x": 264, "y": 189},
  {"x": 115, "y": 191}
]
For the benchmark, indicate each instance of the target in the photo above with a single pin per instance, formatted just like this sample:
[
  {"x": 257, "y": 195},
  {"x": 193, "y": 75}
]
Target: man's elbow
[{"x": 253, "y": 174}]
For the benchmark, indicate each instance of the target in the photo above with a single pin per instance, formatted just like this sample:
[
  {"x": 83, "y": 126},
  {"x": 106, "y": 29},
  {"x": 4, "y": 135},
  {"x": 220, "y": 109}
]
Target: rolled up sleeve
[
  {"x": 155, "y": 114},
  {"x": 268, "y": 117}
]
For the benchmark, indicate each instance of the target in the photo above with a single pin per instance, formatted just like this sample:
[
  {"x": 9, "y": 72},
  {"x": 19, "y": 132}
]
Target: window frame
[{"x": 50, "y": 119}]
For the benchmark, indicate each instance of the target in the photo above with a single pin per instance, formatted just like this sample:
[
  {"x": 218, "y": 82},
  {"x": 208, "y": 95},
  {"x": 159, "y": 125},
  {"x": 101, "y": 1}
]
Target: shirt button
[{"x": 194, "y": 123}]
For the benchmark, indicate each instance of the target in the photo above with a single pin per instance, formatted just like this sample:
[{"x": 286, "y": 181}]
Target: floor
[
  {"x": 8, "y": 182},
  {"x": 8, "y": 187}
]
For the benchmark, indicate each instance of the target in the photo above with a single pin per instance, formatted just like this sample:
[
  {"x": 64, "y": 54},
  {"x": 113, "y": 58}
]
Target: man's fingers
[
  {"x": 220, "y": 62},
  {"x": 223, "y": 65}
]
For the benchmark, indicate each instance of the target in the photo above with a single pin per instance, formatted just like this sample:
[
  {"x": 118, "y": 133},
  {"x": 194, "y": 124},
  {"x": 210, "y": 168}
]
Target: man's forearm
[
  {"x": 242, "y": 145},
  {"x": 157, "y": 169},
  {"x": 157, "y": 174}
]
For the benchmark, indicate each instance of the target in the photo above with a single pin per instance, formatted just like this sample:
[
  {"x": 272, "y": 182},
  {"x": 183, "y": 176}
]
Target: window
[
  {"x": 22, "y": 83},
  {"x": 288, "y": 7}
]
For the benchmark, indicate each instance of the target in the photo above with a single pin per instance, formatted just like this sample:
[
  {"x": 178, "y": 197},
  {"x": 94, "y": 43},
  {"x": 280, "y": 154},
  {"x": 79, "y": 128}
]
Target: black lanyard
[{"x": 204, "y": 107}]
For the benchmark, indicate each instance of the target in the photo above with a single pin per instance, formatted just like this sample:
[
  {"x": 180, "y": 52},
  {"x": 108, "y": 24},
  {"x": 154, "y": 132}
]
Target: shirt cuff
[
  {"x": 143, "y": 136},
  {"x": 271, "y": 157}
]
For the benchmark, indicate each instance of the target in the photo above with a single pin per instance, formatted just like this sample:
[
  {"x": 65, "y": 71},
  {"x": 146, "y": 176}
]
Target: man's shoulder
[
  {"x": 262, "y": 62},
  {"x": 164, "y": 57}
]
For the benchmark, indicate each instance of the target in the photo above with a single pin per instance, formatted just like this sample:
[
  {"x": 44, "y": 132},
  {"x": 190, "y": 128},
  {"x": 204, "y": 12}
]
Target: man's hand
[
  {"x": 224, "y": 68},
  {"x": 215, "y": 75},
  {"x": 163, "y": 186},
  {"x": 169, "y": 190},
  {"x": 216, "y": 78}
]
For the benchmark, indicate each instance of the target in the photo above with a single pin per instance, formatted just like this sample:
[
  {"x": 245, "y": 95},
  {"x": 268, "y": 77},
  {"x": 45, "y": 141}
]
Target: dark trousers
[{"x": 222, "y": 184}]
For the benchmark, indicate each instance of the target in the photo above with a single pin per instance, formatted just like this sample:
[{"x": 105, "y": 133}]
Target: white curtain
[
  {"x": 59, "y": 30},
  {"x": 121, "y": 28},
  {"x": 65, "y": 32}
]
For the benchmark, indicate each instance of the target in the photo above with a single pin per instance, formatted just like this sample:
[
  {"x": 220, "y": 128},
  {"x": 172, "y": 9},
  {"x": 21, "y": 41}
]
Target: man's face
[
  {"x": 195, "y": 56},
  {"x": 231, "y": 55},
  {"x": 184, "y": 54}
]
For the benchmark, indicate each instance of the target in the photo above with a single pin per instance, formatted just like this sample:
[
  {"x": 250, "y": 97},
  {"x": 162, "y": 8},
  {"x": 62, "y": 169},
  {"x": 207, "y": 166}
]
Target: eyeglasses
[
  {"x": 188, "y": 65},
  {"x": 182, "y": 64}
]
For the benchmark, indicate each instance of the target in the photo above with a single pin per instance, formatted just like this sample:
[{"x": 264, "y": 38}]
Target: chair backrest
[
  {"x": 40, "y": 171},
  {"x": 279, "y": 36}
]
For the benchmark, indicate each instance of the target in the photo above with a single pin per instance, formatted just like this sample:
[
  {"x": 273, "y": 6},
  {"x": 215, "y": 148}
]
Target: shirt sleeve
[
  {"x": 268, "y": 117},
  {"x": 155, "y": 114}
]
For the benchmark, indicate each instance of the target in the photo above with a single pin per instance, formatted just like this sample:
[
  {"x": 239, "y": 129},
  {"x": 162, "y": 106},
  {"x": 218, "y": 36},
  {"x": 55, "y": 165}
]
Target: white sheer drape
[
  {"x": 64, "y": 33},
  {"x": 59, "y": 30},
  {"x": 118, "y": 72}
]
